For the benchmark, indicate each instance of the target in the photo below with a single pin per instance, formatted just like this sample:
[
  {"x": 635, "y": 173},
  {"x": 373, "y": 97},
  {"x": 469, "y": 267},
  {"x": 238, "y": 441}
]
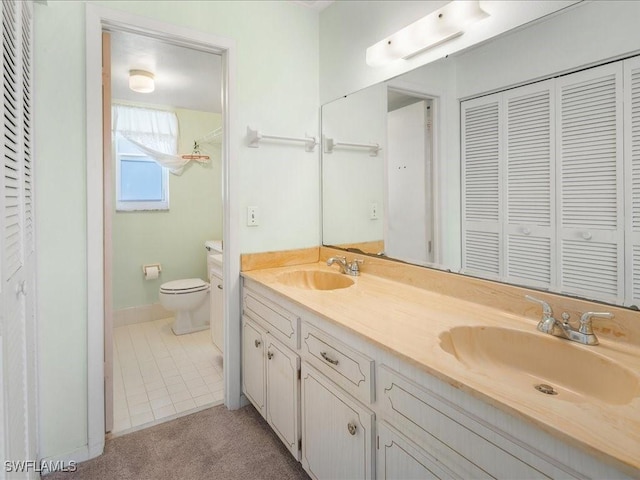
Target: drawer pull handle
[
  {"x": 269, "y": 355},
  {"x": 220, "y": 287},
  {"x": 257, "y": 343},
  {"x": 352, "y": 428},
  {"x": 328, "y": 359}
]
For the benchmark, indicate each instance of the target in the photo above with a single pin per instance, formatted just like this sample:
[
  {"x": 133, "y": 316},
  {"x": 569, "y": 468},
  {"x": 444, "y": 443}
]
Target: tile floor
[{"x": 159, "y": 376}]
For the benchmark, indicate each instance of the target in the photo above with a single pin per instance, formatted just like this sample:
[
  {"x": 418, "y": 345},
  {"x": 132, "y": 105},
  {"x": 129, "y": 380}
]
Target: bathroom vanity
[{"x": 372, "y": 377}]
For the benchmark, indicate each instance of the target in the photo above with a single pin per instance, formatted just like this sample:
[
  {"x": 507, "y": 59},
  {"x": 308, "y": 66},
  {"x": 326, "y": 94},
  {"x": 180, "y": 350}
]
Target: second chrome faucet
[
  {"x": 345, "y": 267},
  {"x": 583, "y": 334}
]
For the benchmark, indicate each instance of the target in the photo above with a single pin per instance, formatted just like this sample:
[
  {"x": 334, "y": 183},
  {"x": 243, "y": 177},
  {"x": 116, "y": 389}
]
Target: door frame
[
  {"x": 436, "y": 99},
  {"x": 98, "y": 19}
]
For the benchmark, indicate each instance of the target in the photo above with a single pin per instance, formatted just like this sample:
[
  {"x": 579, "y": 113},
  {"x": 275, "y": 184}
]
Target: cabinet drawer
[
  {"x": 434, "y": 421},
  {"x": 281, "y": 323},
  {"x": 348, "y": 368},
  {"x": 398, "y": 457}
]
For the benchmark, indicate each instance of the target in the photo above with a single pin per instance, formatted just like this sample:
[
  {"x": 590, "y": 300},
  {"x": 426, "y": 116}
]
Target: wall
[
  {"x": 174, "y": 238},
  {"x": 586, "y": 34},
  {"x": 277, "y": 91}
]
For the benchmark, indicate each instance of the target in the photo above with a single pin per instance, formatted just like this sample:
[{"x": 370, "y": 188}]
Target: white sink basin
[{"x": 315, "y": 280}]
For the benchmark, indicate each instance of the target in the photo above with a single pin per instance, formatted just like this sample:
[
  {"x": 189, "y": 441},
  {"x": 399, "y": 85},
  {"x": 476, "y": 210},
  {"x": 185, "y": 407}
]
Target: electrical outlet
[
  {"x": 373, "y": 211},
  {"x": 252, "y": 216}
]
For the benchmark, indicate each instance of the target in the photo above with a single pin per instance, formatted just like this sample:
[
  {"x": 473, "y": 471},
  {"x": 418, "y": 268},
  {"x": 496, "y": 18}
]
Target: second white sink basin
[{"x": 574, "y": 372}]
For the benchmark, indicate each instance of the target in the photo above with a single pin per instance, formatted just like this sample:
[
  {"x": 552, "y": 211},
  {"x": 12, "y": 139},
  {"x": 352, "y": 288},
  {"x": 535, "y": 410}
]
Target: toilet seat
[{"x": 181, "y": 287}]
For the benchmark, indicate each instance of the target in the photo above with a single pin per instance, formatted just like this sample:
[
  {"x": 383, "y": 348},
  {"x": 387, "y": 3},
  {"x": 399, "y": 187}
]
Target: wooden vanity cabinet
[{"x": 363, "y": 413}]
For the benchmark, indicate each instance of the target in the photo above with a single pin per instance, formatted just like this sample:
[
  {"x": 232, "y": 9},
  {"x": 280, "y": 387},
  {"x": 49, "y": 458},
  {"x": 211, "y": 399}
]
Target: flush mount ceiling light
[
  {"x": 141, "y": 81},
  {"x": 439, "y": 26}
]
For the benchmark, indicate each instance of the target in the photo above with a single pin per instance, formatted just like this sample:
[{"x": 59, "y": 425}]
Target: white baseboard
[
  {"x": 67, "y": 460},
  {"x": 139, "y": 314}
]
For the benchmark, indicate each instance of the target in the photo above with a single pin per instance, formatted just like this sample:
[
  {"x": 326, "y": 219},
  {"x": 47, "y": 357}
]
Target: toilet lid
[{"x": 187, "y": 285}]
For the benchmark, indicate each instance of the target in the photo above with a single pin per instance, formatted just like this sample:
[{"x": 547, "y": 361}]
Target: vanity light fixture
[
  {"x": 141, "y": 81},
  {"x": 438, "y": 27}
]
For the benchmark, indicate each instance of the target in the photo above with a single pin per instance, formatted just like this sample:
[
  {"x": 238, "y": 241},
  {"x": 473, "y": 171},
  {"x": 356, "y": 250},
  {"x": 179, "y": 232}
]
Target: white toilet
[{"x": 189, "y": 299}]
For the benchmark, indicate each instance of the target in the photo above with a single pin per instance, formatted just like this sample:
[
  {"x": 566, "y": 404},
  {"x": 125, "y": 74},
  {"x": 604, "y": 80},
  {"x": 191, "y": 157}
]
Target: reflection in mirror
[
  {"x": 408, "y": 234},
  {"x": 353, "y": 178},
  {"x": 406, "y": 202},
  {"x": 379, "y": 202}
]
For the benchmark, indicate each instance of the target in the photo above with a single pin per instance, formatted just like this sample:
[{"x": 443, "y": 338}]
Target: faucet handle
[
  {"x": 585, "y": 321},
  {"x": 353, "y": 266},
  {"x": 546, "y": 308}
]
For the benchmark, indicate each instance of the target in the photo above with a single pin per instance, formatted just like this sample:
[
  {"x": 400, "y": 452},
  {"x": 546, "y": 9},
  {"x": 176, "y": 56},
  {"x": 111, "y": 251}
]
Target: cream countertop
[{"x": 407, "y": 322}]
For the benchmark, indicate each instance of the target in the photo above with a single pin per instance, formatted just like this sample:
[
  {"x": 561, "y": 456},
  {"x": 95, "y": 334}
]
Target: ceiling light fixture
[
  {"x": 141, "y": 81},
  {"x": 438, "y": 27}
]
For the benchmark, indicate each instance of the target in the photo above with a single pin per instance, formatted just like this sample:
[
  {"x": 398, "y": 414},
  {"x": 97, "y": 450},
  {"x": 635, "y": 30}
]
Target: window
[
  {"x": 146, "y": 144},
  {"x": 141, "y": 183}
]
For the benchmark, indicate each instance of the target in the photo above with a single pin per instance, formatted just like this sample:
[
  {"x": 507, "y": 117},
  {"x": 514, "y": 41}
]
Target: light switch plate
[
  {"x": 373, "y": 211},
  {"x": 252, "y": 216}
]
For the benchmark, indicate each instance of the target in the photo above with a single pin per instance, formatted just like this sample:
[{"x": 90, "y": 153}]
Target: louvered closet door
[
  {"x": 481, "y": 192},
  {"x": 17, "y": 267},
  {"x": 529, "y": 164},
  {"x": 589, "y": 182},
  {"x": 632, "y": 179}
]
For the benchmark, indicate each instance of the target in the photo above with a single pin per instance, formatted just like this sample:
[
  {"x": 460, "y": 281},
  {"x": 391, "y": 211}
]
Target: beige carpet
[{"x": 212, "y": 444}]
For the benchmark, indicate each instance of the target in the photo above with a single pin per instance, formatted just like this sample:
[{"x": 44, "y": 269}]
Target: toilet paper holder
[{"x": 151, "y": 265}]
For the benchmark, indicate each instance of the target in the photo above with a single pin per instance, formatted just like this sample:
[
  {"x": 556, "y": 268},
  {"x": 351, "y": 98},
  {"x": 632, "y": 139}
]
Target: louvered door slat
[
  {"x": 481, "y": 213},
  {"x": 13, "y": 248},
  {"x": 589, "y": 187},
  {"x": 529, "y": 197}
]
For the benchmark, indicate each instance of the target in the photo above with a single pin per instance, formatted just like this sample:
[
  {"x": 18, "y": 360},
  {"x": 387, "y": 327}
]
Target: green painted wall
[
  {"x": 173, "y": 238},
  {"x": 276, "y": 90}
]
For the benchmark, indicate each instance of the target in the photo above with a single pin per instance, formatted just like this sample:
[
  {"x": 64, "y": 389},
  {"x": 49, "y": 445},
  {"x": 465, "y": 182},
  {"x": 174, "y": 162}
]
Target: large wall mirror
[{"x": 513, "y": 161}]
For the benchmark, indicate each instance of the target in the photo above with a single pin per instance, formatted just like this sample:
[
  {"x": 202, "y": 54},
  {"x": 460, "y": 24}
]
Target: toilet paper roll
[{"x": 151, "y": 272}]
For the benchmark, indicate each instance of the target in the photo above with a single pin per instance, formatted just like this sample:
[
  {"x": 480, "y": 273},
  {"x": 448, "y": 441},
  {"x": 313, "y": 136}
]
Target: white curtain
[{"x": 155, "y": 132}]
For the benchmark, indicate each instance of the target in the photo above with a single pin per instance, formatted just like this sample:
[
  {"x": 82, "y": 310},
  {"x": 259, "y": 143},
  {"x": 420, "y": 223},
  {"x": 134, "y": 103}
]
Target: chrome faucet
[
  {"x": 583, "y": 334},
  {"x": 345, "y": 267}
]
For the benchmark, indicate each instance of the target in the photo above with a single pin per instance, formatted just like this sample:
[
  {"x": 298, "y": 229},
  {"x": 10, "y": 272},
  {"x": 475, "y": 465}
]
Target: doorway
[
  {"x": 98, "y": 19},
  {"x": 162, "y": 208},
  {"x": 409, "y": 173}
]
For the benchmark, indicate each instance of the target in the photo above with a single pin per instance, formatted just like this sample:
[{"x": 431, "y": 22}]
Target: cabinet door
[
  {"x": 398, "y": 457},
  {"x": 283, "y": 394},
  {"x": 253, "y": 364},
  {"x": 481, "y": 192},
  {"x": 217, "y": 311},
  {"x": 590, "y": 180},
  {"x": 529, "y": 186},
  {"x": 337, "y": 431}
]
